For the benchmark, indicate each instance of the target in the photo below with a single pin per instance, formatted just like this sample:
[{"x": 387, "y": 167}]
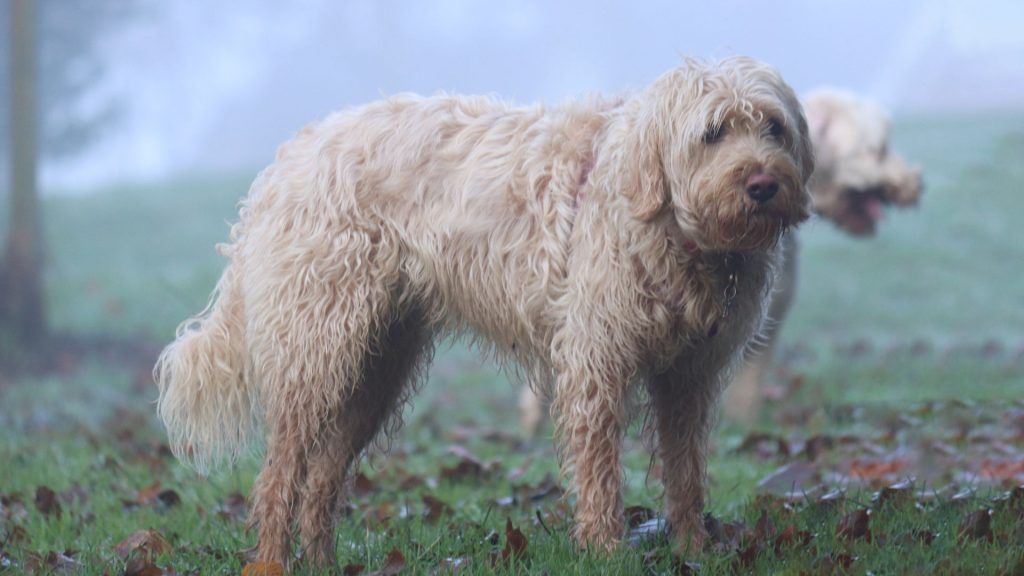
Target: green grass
[
  {"x": 946, "y": 271},
  {"x": 897, "y": 342}
]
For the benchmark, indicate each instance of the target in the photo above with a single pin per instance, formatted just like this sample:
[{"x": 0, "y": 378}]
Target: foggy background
[{"x": 215, "y": 86}]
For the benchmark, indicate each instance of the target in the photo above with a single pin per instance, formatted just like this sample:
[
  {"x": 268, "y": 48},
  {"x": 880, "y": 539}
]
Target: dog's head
[
  {"x": 857, "y": 175},
  {"x": 721, "y": 147}
]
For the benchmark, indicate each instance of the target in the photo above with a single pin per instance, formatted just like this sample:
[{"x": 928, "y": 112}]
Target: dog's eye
[
  {"x": 775, "y": 129},
  {"x": 714, "y": 134}
]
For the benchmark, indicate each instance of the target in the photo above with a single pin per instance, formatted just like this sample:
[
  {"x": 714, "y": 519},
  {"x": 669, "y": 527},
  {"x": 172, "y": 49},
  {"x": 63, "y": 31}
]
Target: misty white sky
[{"x": 217, "y": 85}]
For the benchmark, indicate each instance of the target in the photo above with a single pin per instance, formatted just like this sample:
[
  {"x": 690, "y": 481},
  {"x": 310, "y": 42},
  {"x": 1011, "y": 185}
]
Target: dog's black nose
[{"x": 762, "y": 187}]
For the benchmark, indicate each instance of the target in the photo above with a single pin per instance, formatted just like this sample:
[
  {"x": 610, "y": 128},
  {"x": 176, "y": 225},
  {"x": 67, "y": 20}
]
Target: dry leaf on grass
[
  {"x": 362, "y": 485},
  {"x": 141, "y": 567},
  {"x": 855, "y": 526},
  {"x": 515, "y": 541},
  {"x": 263, "y": 569},
  {"x": 977, "y": 526},
  {"x": 146, "y": 544},
  {"x": 393, "y": 564},
  {"x": 353, "y": 569},
  {"x": 52, "y": 563},
  {"x": 435, "y": 509},
  {"x": 46, "y": 502}
]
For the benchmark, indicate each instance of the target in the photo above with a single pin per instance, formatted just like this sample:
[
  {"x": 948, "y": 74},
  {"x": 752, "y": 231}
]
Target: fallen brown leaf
[
  {"x": 52, "y": 563},
  {"x": 17, "y": 534},
  {"x": 435, "y": 509},
  {"x": 747, "y": 553},
  {"x": 362, "y": 485},
  {"x": 154, "y": 494},
  {"x": 147, "y": 543},
  {"x": 765, "y": 528},
  {"x": 141, "y": 567},
  {"x": 872, "y": 469},
  {"x": 835, "y": 563},
  {"x": 378, "y": 516},
  {"x": 548, "y": 487},
  {"x": 515, "y": 541},
  {"x": 232, "y": 508},
  {"x": 168, "y": 498},
  {"x": 149, "y": 493},
  {"x": 677, "y": 566},
  {"x": 816, "y": 446},
  {"x": 465, "y": 468},
  {"x": 916, "y": 536},
  {"x": 791, "y": 537},
  {"x": 977, "y": 526},
  {"x": 1001, "y": 469},
  {"x": 393, "y": 564},
  {"x": 353, "y": 569},
  {"x": 263, "y": 569},
  {"x": 12, "y": 506},
  {"x": 764, "y": 445},
  {"x": 46, "y": 502},
  {"x": 855, "y": 526},
  {"x": 411, "y": 481},
  {"x": 468, "y": 466}
]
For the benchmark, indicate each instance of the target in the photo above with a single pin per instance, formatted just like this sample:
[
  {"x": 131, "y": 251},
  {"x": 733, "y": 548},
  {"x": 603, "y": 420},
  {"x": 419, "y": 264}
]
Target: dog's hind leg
[
  {"x": 274, "y": 496},
  {"x": 315, "y": 316},
  {"x": 388, "y": 375}
]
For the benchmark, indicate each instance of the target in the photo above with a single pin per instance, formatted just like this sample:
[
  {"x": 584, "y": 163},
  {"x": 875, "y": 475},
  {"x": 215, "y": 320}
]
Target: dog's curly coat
[{"x": 599, "y": 245}]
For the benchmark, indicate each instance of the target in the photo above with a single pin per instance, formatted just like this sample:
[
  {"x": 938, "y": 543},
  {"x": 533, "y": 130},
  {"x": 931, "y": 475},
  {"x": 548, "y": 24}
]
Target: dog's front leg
[
  {"x": 591, "y": 414},
  {"x": 683, "y": 402}
]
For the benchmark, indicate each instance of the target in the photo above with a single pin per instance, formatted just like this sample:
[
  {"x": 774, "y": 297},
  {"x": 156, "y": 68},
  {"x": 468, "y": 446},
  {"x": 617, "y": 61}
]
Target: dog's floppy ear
[{"x": 642, "y": 171}]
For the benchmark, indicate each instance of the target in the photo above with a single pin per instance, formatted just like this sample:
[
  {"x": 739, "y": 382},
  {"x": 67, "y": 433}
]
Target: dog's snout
[{"x": 762, "y": 187}]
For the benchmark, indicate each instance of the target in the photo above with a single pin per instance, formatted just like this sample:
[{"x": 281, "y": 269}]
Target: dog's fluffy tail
[{"x": 206, "y": 402}]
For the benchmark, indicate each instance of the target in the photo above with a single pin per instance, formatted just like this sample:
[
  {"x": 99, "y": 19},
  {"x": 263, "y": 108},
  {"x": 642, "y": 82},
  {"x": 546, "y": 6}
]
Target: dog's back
[{"x": 441, "y": 193}]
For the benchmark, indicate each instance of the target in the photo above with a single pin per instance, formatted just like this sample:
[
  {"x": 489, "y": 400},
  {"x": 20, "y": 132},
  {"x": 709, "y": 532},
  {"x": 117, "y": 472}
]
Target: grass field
[{"x": 904, "y": 357}]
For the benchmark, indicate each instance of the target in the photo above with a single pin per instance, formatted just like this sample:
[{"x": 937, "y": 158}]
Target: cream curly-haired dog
[
  {"x": 856, "y": 177},
  {"x": 600, "y": 244}
]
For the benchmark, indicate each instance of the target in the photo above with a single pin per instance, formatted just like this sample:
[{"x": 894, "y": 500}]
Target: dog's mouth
[
  {"x": 862, "y": 209},
  {"x": 758, "y": 227}
]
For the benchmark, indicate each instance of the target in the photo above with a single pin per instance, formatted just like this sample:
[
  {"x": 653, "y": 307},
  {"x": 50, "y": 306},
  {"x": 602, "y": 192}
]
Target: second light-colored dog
[{"x": 856, "y": 177}]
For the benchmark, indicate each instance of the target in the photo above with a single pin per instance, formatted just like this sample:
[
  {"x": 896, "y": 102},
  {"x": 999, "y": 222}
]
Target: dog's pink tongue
[{"x": 875, "y": 209}]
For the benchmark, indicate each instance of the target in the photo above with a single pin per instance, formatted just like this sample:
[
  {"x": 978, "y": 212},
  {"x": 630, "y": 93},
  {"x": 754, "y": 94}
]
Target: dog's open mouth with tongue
[{"x": 862, "y": 210}]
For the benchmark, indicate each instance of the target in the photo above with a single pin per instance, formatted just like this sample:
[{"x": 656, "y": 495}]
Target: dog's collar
[{"x": 731, "y": 262}]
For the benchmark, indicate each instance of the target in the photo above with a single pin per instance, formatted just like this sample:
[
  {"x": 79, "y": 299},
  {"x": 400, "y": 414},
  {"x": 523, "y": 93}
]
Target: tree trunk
[{"x": 22, "y": 314}]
